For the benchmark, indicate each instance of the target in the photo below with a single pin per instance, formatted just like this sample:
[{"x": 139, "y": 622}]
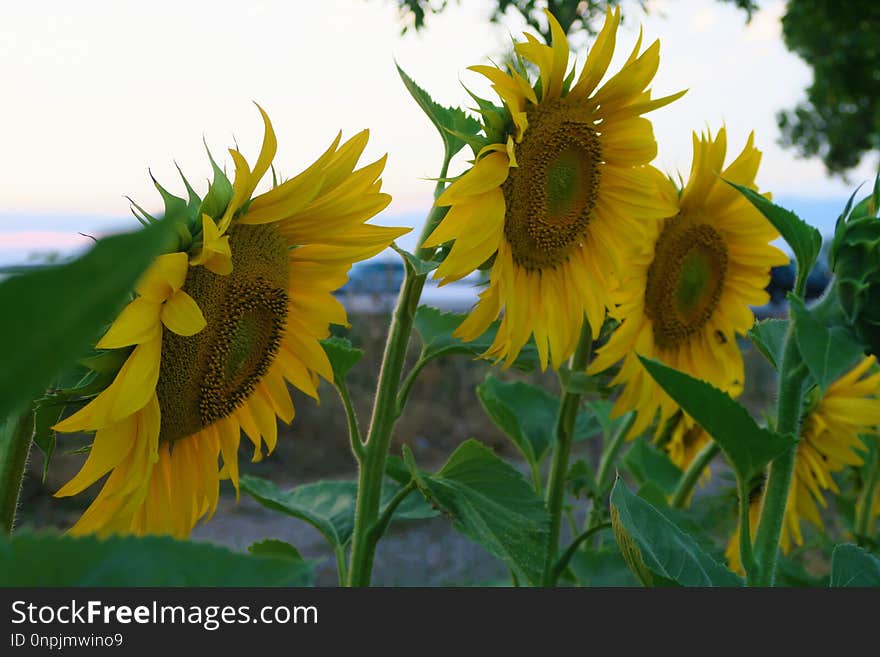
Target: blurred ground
[{"x": 442, "y": 412}]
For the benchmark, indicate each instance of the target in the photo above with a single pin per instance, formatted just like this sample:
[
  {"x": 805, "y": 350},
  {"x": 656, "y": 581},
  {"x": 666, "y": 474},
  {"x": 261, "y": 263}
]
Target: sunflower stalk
[
  {"x": 746, "y": 552},
  {"x": 371, "y": 467},
  {"x": 565, "y": 422},
  {"x": 689, "y": 477},
  {"x": 793, "y": 374},
  {"x": 16, "y": 436}
]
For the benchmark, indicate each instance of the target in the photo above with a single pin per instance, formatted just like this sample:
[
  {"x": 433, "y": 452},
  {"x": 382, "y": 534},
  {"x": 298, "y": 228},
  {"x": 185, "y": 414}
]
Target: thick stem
[
  {"x": 792, "y": 375},
  {"x": 385, "y": 412},
  {"x": 689, "y": 477},
  {"x": 863, "y": 527},
  {"x": 562, "y": 563},
  {"x": 16, "y": 434},
  {"x": 408, "y": 382},
  {"x": 564, "y": 432},
  {"x": 608, "y": 458}
]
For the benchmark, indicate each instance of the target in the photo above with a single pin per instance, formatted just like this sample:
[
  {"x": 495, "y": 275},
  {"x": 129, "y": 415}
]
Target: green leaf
[
  {"x": 45, "y": 417},
  {"x": 49, "y": 559},
  {"x": 769, "y": 337},
  {"x": 415, "y": 264},
  {"x": 219, "y": 193},
  {"x": 748, "y": 446},
  {"x": 827, "y": 352},
  {"x": 648, "y": 464},
  {"x": 657, "y": 551},
  {"x": 602, "y": 566},
  {"x": 852, "y": 566},
  {"x": 272, "y": 547},
  {"x": 435, "y": 328},
  {"x": 454, "y": 125},
  {"x": 804, "y": 240},
  {"x": 491, "y": 503},
  {"x": 342, "y": 356},
  {"x": 56, "y": 314},
  {"x": 328, "y": 506}
]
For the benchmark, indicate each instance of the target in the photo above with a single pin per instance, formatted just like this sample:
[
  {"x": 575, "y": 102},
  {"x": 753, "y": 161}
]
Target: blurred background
[{"x": 100, "y": 93}]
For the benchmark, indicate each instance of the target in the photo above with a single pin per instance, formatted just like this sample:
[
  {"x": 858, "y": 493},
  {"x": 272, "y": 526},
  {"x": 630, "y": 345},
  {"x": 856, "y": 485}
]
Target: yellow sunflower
[
  {"x": 732, "y": 552},
  {"x": 686, "y": 294},
  {"x": 215, "y": 332},
  {"x": 558, "y": 188},
  {"x": 830, "y": 440}
]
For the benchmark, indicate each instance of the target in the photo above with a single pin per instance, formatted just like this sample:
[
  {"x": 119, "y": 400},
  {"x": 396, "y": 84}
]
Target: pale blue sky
[{"x": 95, "y": 92}]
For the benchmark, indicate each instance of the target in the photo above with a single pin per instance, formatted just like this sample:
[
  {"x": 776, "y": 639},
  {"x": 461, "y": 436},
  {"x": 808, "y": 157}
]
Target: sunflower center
[
  {"x": 205, "y": 377},
  {"x": 550, "y": 195},
  {"x": 684, "y": 280}
]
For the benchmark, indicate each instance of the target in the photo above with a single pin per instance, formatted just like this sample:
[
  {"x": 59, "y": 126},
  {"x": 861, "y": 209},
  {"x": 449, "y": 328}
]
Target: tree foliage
[
  {"x": 840, "y": 120},
  {"x": 573, "y": 15}
]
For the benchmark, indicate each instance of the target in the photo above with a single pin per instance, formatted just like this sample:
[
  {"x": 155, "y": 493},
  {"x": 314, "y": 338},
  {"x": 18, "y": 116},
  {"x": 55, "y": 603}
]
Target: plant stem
[
  {"x": 371, "y": 468},
  {"x": 746, "y": 555},
  {"x": 562, "y": 563},
  {"x": 354, "y": 432},
  {"x": 16, "y": 434},
  {"x": 862, "y": 529},
  {"x": 381, "y": 526},
  {"x": 609, "y": 454},
  {"x": 792, "y": 375},
  {"x": 341, "y": 567},
  {"x": 689, "y": 477},
  {"x": 564, "y": 432},
  {"x": 407, "y": 384}
]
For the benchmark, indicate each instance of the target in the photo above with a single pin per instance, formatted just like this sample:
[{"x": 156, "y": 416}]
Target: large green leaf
[
  {"x": 658, "y": 552},
  {"x": 827, "y": 352},
  {"x": 853, "y": 566},
  {"x": 53, "y": 316},
  {"x": 456, "y": 128},
  {"x": 491, "y": 503},
  {"x": 648, "y": 464},
  {"x": 603, "y": 566},
  {"x": 804, "y": 240},
  {"x": 49, "y": 559},
  {"x": 342, "y": 356},
  {"x": 435, "y": 328},
  {"x": 328, "y": 506},
  {"x": 748, "y": 446},
  {"x": 527, "y": 415},
  {"x": 769, "y": 337}
]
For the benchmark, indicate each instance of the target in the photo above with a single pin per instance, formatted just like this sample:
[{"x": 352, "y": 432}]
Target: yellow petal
[
  {"x": 164, "y": 277},
  {"x": 182, "y": 315},
  {"x": 137, "y": 323}
]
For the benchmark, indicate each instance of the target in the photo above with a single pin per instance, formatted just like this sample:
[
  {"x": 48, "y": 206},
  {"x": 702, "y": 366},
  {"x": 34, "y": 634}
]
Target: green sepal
[{"x": 219, "y": 192}]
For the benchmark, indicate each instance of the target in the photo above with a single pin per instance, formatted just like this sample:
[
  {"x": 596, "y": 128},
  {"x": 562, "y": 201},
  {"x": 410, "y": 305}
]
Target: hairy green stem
[
  {"x": 371, "y": 468},
  {"x": 354, "y": 431},
  {"x": 378, "y": 530},
  {"x": 862, "y": 529},
  {"x": 16, "y": 435},
  {"x": 792, "y": 375},
  {"x": 609, "y": 454},
  {"x": 564, "y": 432},
  {"x": 407, "y": 384},
  {"x": 689, "y": 477},
  {"x": 341, "y": 566}
]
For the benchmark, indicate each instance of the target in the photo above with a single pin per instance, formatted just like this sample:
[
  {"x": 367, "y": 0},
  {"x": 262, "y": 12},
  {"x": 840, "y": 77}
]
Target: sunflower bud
[{"x": 855, "y": 259}]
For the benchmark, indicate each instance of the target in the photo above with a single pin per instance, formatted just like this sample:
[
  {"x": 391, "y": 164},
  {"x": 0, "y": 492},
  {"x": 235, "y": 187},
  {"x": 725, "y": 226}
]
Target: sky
[{"x": 97, "y": 92}]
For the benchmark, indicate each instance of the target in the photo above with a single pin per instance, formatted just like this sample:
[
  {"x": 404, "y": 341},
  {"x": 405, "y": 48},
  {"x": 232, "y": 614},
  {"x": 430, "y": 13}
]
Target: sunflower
[
  {"x": 686, "y": 439},
  {"x": 558, "y": 188},
  {"x": 830, "y": 440},
  {"x": 216, "y": 330},
  {"x": 732, "y": 552},
  {"x": 686, "y": 294}
]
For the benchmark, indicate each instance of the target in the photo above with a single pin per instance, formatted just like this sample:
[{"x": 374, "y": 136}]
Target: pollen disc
[
  {"x": 684, "y": 280},
  {"x": 549, "y": 197},
  {"x": 205, "y": 377}
]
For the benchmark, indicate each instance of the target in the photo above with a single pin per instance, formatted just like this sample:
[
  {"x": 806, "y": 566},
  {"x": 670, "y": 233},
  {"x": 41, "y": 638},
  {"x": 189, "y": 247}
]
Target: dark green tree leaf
[
  {"x": 491, "y": 503},
  {"x": 66, "y": 307},
  {"x": 748, "y": 446},
  {"x": 602, "y": 566},
  {"x": 648, "y": 464},
  {"x": 273, "y": 547},
  {"x": 49, "y": 559},
  {"x": 853, "y": 566},
  {"x": 657, "y": 551}
]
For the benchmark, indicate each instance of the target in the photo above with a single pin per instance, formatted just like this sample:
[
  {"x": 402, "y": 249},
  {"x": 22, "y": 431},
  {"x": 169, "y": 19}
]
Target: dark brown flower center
[
  {"x": 684, "y": 280},
  {"x": 551, "y": 194},
  {"x": 205, "y": 377}
]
